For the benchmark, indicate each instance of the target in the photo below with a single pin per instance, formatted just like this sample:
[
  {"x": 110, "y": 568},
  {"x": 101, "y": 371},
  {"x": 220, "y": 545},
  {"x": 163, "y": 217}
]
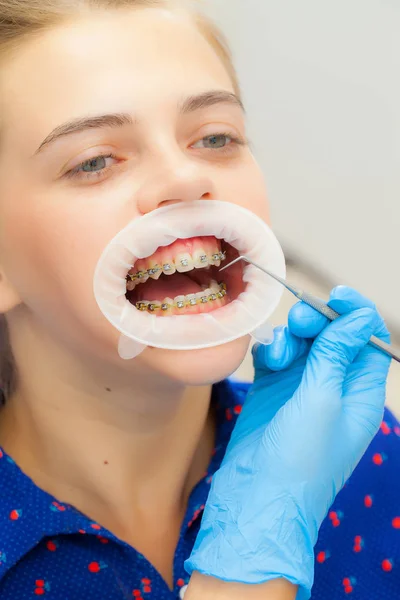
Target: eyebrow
[{"x": 117, "y": 120}]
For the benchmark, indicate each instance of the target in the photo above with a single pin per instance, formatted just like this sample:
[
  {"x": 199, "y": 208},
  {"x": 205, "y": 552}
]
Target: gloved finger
[
  {"x": 284, "y": 350},
  {"x": 306, "y": 322},
  {"x": 334, "y": 351},
  {"x": 345, "y": 299},
  {"x": 368, "y": 374}
]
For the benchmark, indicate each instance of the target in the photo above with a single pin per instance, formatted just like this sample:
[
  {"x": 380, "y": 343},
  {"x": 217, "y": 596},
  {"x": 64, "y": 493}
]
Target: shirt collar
[{"x": 28, "y": 513}]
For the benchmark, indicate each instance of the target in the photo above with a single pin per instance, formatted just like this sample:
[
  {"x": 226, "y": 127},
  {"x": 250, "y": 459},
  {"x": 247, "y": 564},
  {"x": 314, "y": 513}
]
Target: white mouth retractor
[{"x": 248, "y": 314}]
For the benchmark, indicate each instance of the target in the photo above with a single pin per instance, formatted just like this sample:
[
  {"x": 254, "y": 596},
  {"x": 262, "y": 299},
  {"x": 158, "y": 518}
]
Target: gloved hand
[{"x": 300, "y": 435}]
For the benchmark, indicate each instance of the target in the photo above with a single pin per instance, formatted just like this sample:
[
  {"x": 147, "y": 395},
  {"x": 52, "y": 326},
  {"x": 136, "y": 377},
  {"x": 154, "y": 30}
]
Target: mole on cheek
[{"x": 108, "y": 389}]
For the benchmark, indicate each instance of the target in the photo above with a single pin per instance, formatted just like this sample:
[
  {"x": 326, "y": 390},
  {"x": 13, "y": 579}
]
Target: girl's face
[{"x": 105, "y": 119}]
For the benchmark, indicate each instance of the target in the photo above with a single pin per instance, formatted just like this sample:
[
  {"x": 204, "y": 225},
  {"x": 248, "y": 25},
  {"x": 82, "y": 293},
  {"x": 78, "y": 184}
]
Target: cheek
[
  {"x": 50, "y": 254},
  {"x": 249, "y": 190}
]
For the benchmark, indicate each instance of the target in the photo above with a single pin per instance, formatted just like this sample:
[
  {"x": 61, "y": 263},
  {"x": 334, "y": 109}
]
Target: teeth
[
  {"x": 165, "y": 307},
  {"x": 141, "y": 271},
  {"x": 142, "y": 276},
  {"x": 155, "y": 271},
  {"x": 142, "y": 305},
  {"x": 180, "y": 301},
  {"x": 214, "y": 286},
  {"x": 191, "y": 299},
  {"x": 200, "y": 259},
  {"x": 169, "y": 268},
  {"x": 184, "y": 262},
  {"x": 202, "y": 297},
  {"x": 215, "y": 260}
]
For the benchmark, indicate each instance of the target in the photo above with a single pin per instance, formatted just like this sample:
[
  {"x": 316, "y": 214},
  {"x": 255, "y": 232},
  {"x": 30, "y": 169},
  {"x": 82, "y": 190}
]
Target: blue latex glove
[{"x": 300, "y": 435}]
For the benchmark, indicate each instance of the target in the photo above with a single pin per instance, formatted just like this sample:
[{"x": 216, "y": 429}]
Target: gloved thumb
[{"x": 335, "y": 349}]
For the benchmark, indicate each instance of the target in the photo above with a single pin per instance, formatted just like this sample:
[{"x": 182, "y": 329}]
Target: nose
[{"x": 173, "y": 184}]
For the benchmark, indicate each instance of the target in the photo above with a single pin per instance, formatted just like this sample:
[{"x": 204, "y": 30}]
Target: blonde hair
[{"x": 22, "y": 20}]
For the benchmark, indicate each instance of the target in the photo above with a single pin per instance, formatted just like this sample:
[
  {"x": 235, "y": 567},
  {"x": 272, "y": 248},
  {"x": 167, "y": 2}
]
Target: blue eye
[
  {"x": 91, "y": 168},
  {"x": 217, "y": 141},
  {"x": 94, "y": 164}
]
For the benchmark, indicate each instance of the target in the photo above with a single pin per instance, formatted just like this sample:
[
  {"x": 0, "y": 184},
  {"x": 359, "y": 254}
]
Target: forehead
[{"x": 131, "y": 60}]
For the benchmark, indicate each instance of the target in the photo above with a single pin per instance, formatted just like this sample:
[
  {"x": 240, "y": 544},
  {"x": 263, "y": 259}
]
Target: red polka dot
[
  {"x": 228, "y": 414},
  {"x": 14, "y": 515},
  {"x": 336, "y": 522},
  {"x": 377, "y": 459},
  {"x": 397, "y": 430},
  {"x": 368, "y": 501},
  {"x": 146, "y": 581},
  {"x": 357, "y": 539},
  {"x": 39, "y": 591},
  {"x": 94, "y": 567},
  {"x": 237, "y": 409},
  {"x": 95, "y": 526},
  {"x": 348, "y": 589},
  {"x": 357, "y": 548},
  {"x": 396, "y": 522},
  {"x": 102, "y": 539},
  {"x": 180, "y": 582},
  {"x": 346, "y": 581},
  {"x": 39, "y": 583},
  {"x": 146, "y": 589},
  {"x": 333, "y": 515},
  {"x": 385, "y": 428},
  {"x": 1, "y": 454},
  {"x": 82, "y": 531},
  {"x": 51, "y": 546},
  {"x": 321, "y": 556},
  {"x": 136, "y": 593},
  {"x": 387, "y": 565}
]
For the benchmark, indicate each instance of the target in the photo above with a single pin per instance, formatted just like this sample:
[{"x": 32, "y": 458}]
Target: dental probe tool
[{"x": 318, "y": 305}]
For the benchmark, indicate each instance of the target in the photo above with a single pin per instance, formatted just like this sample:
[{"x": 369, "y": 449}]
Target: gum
[{"x": 166, "y": 254}]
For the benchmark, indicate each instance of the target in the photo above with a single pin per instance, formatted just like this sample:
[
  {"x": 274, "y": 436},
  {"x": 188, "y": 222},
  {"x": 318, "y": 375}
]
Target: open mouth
[
  {"x": 183, "y": 278},
  {"x": 167, "y": 264}
]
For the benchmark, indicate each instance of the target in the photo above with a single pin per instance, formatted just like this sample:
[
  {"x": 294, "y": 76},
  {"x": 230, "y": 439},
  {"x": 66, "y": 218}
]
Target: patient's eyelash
[
  {"x": 235, "y": 141},
  {"x": 78, "y": 172}
]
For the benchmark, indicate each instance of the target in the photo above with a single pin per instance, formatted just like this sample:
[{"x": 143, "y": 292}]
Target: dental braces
[
  {"x": 151, "y": 307},
  {"x": 221, "y": 256}
]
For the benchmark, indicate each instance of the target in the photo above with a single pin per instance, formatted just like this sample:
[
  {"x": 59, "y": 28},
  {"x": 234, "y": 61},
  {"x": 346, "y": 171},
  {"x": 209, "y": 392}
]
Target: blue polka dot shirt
[{"x": 50, "y": 549}]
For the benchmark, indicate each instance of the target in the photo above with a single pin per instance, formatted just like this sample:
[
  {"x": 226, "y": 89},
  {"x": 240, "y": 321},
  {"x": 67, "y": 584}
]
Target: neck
[{"x": 108, "y": 445}]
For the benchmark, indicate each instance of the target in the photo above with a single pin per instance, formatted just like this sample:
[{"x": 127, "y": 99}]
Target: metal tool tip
[{"x": 231, "y": 263}]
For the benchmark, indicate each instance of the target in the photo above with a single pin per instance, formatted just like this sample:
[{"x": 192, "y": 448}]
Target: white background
[{"x": 321, "y": 83}]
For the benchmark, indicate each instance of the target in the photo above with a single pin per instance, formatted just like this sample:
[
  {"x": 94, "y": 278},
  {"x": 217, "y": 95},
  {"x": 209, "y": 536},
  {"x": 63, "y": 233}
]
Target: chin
[{"x": 197, "y": 367}]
